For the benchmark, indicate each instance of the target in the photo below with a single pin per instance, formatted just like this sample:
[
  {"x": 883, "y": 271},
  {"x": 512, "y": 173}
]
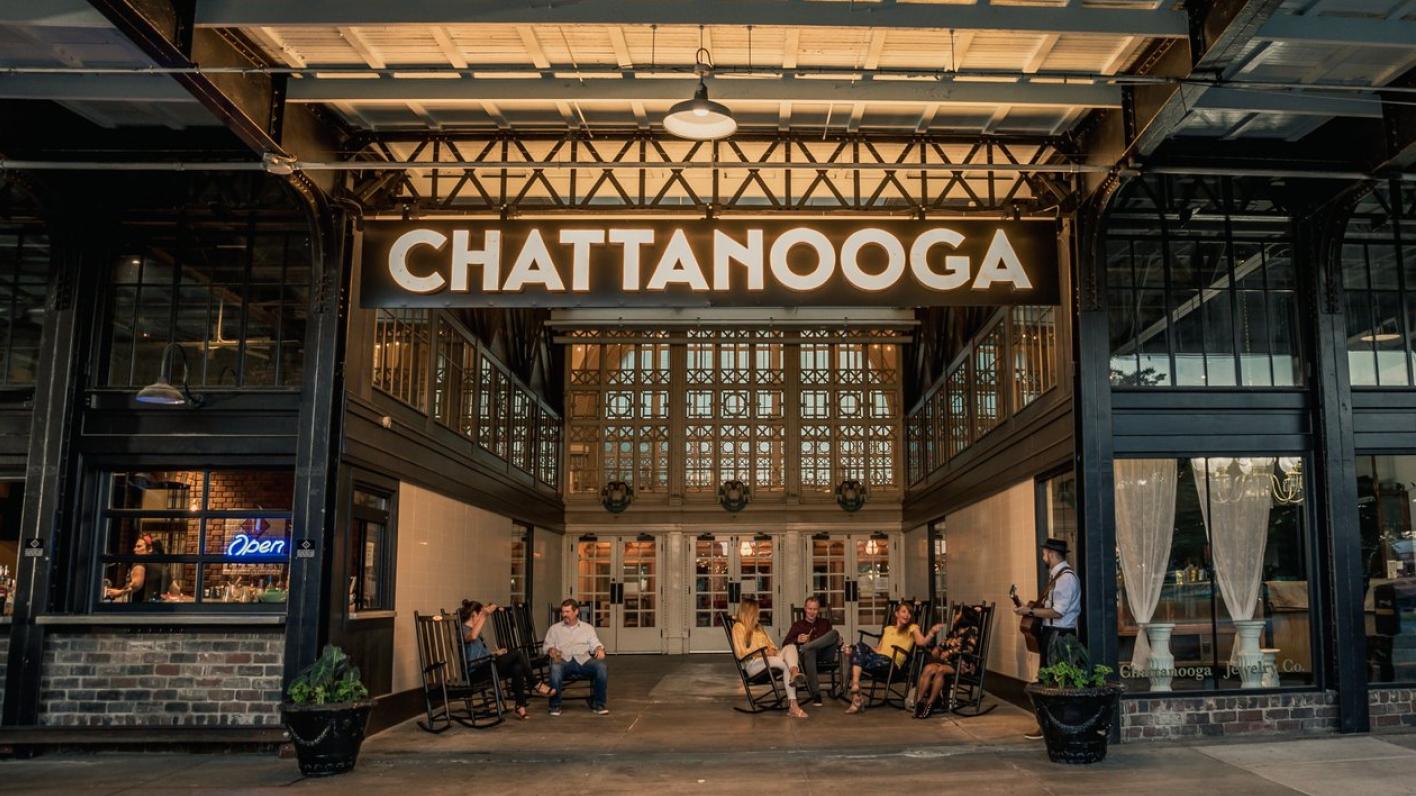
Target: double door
[
  {"x": 725, "y": 569},
  {"x": 617, "y": 579},
  {"x": 852, "y": 573}
]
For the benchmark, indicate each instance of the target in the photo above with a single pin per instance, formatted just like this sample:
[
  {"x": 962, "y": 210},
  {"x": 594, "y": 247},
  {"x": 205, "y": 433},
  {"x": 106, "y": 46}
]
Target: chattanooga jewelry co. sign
[{"x": 707, "y": 263}]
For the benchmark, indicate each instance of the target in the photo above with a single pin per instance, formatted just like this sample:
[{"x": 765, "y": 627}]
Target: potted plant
[
  {"x": 327, "y": 714},
  {"x": 1074, "y": 703}
]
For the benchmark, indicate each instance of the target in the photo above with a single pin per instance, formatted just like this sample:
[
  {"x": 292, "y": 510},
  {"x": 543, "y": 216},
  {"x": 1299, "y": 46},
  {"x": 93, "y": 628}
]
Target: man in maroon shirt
[{"x": 813, "y": 636}]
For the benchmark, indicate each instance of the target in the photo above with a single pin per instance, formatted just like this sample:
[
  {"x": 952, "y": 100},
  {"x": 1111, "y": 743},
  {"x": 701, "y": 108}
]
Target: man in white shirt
[
  {"x": 576, "y": 652},
  {"x": 1061, "y": 602}
]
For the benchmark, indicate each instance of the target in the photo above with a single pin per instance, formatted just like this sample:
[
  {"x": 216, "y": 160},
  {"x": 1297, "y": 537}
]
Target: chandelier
[{"x": 1288, "y": 481}]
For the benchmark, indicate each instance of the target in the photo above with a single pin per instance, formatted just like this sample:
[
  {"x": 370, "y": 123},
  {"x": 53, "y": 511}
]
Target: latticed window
[
  {"x": 1034, "y": 351},
  {"x": 548, "y": 446},
  {"x": 959, "y": 427},
  {"x": 619, "y": 411},
  {"x": 850, "y": 397},
  {"x": 523, "y": 428},
  {"x": 401, "y": 354},
  {"x": 454, "y": 380},
  {"x": 988, "y": 389},
  {"x": 734, "y": 400}
]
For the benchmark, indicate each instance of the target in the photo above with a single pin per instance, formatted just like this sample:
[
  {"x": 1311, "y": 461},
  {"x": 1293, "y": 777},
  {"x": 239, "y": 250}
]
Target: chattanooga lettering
[
  {"x": 558, "y": 262},
  {"x": 759, "y": 262}
]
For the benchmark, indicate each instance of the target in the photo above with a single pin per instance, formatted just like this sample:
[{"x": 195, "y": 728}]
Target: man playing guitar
[{"x": 1061, "y": 602}]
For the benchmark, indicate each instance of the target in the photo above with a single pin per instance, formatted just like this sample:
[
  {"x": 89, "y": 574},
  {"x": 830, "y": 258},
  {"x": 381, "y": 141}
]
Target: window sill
[
  {"x": 362, "y": 615},
  {"x": 160, "y": 619}
]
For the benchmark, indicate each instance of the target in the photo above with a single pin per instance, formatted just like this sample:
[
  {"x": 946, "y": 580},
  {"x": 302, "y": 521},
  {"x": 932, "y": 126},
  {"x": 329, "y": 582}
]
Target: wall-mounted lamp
[{"x": 162, "y": 392}]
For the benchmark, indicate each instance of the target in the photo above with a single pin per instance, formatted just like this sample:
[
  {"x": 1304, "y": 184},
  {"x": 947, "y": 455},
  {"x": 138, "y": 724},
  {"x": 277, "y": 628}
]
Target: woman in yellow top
[
  {"x": 749, "y": 637},
  {"x": 895, "y": 645}
]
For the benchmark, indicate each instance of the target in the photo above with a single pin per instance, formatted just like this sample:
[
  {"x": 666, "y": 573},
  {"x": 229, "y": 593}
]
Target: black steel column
[
  {"x": 50, "y": 472},
  {"x": 320, "y": 435},
  {"x": 1092, "y": 442},
  {"x": 1338, "y": 556}
]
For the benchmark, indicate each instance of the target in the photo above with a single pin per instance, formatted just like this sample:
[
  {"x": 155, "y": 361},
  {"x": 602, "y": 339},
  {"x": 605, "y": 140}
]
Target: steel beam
[
  {"x": 1339, "y": 31},
  {"x": 93, "y": 88},
  {"x": 793, "y": 14},
  {"x": 1304, "y": 103},
  {"x": 952, "y": 92}
]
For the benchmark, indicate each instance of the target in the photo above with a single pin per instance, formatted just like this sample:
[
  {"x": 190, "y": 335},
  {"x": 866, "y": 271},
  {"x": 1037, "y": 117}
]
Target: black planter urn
[
  {"x": 1076, "y": 722},
  {"x": 326, "y": 737}
]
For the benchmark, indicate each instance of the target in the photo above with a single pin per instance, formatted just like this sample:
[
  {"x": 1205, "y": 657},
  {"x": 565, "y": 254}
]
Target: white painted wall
[
  {"x": 547, "y": 578},
  {"x": 993, "y": 543},
  {"x": 447, "y": 551},
  {"x": 914, "y": 546}
]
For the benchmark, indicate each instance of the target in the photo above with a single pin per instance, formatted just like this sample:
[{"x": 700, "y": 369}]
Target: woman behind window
[
  {"x": 749, "y": 637},
  {"x": 902, "y": 634},
  {"x": 142, "y": 586},
  {"x": 508, "y": 665}
]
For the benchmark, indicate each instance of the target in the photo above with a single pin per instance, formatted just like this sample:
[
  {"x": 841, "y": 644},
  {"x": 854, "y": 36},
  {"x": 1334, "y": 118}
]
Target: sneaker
[
  {"x": 600, "y": 711},
  {"x": 1035, "y": 735},
  {"x": 555, "y": 711},
  {"x": 816, "y": 701}
]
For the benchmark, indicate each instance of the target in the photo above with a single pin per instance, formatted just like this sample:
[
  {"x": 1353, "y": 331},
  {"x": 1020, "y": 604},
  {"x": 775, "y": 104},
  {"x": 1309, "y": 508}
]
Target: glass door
[
  {"x": 726, "y": 570},
  {"x": 636, "y": 599},
  {"x": 851, "y": 573},
  {"x": 594, "y": 585}
]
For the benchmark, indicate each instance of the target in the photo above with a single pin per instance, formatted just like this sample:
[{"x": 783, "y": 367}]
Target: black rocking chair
[
  {"x": 776, "y": 699},
  {"x": 449, "y": 677}
]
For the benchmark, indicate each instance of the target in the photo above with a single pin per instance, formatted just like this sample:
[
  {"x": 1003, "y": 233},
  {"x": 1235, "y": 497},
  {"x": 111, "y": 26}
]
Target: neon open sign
[
  {"x": 709, "y": 263},
  {"x": 244, "y": 546}
]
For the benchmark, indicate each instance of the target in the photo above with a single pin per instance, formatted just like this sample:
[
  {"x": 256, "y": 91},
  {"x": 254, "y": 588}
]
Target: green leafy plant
[
  {"x": 330, "y": 680},
  {"x": 1071, "y": 666}
]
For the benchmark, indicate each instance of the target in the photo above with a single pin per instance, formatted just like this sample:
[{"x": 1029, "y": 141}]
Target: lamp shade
[
  {"x": 162, "y": 393},
  {"x": 700, "y": 119}
]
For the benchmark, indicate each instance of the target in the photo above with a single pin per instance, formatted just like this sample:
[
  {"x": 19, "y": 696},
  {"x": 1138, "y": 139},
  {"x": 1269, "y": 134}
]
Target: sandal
[
  {"x": 521, "y": 712},
  {"x": 543, "y": 690},
  {"x": 857, "y": 705}
]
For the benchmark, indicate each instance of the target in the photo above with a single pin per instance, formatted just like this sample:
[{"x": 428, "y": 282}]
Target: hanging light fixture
[
  {"x": 701, "y": 119},
  {"x": 162, "y": 392}
]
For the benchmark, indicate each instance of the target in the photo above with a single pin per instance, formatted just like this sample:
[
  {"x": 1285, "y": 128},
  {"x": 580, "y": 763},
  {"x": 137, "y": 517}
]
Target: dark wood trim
[
  {"x": 1009, "y": 689},
  {"x": 394, "y": 709}
]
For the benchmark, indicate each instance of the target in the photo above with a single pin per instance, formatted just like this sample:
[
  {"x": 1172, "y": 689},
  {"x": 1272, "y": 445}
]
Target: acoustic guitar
[{"x": 1029, "y": 626}]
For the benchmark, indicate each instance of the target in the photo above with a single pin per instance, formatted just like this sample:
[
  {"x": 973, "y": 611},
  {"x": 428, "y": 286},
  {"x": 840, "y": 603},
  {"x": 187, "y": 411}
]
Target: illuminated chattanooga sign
[{"x": 708, "y": 263}]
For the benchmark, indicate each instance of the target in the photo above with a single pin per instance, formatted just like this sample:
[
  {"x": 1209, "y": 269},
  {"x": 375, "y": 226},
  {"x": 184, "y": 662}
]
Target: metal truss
[{"x": 510, "y": 174}]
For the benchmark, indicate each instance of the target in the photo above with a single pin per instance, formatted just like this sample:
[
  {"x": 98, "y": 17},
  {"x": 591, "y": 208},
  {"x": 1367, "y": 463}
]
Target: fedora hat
[{"x": 1058, "y": 546}]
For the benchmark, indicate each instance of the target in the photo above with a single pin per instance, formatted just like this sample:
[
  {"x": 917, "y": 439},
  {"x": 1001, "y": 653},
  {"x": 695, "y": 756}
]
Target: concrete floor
[{"x": 671, "y": 729}]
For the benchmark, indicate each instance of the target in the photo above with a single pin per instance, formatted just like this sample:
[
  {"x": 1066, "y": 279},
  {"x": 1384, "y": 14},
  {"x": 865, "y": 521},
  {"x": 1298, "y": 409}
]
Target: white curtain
[
  {"x": 1235, "y": 498},
  {"x": 1145, "y": 523}
]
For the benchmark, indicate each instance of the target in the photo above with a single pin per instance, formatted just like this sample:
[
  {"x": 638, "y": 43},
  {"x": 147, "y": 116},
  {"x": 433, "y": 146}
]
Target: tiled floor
[
  {"x": 684, "y": 704},
  {"x": 672, "y": 730}
]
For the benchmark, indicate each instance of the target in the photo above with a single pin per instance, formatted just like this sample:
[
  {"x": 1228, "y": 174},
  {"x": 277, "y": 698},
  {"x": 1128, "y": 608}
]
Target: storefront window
[
  {"x": 236, "y": 300},
  {"x": 1202, "y": 288},
  {"x": 1386, "y": 486},
  {"x": 370, "y": 552},
  {"x": 24, "y": 290},
  {"x": 195, "y": 537},
  {"x": 454, "y": 380},
  {"x": 12, "y": 499},
  {"x": 1379, "y": 279},
  {"x": 1059, "y": 510},
  {"x": 1214, "y": 574}
]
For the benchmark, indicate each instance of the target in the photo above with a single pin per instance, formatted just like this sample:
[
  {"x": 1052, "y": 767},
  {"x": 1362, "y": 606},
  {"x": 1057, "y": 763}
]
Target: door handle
[
  {"x": 734, "y": 592},
  {"x": 852, "y": 591},
  {"x": 616, "y": 594}
]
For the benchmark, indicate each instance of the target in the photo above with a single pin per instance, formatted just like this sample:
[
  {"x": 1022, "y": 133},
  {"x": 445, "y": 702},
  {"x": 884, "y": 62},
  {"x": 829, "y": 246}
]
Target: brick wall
[
  {"x": 1209, "y": 716},
  {"x": 1392, "y": 708},
  {"x": 207, "y": 678}
]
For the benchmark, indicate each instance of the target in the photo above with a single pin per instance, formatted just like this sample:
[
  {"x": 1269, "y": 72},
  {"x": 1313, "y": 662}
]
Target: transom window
[
  {"x": 235, "y": 298},
  {"x": 1379, "y": 279},
  {"x": 1202, "y": 288},
  {"x": 24, "y": 289}
]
